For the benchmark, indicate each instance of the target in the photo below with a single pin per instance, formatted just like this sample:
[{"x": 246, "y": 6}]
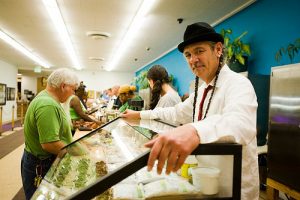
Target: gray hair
[{"x": 62, "y": 75}]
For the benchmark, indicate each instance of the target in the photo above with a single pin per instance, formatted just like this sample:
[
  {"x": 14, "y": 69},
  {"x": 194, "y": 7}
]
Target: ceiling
[{"x": 28, "y": 22}]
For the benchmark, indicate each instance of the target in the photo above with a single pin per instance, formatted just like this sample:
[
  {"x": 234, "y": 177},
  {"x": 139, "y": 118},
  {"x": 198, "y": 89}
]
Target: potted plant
[
  {"x": 141, "y": 80},
  {"x": 292, "y": 49},
  {"x": 237, "y": 50}
]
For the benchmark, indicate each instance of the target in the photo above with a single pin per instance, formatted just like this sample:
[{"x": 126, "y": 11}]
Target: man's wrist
[{"x": 194, "y": 131}]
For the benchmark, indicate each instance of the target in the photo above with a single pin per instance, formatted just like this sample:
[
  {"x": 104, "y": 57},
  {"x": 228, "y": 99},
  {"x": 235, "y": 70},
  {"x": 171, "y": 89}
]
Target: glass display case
[{"x": 109, "y": 163}]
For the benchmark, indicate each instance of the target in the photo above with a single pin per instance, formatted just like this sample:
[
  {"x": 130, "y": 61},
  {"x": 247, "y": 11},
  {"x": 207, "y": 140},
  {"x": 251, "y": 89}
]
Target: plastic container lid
[
  {"x": 208, "y": 171},
  {"x": 191, "y": 160}
]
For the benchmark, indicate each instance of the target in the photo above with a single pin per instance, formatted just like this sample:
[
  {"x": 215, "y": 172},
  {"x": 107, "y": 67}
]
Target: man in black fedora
[{"x": 222, "y": 109}]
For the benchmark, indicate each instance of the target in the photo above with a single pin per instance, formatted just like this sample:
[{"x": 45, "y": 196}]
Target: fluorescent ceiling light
[
  {"x": 22, "y": 49},
  {"x": 58, "y": 21},
  {"x": 129, "y": 35}
]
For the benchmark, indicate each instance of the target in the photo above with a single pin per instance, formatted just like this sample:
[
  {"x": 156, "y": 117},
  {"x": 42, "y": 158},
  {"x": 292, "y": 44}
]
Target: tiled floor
[{"x": 11, "y": 178}]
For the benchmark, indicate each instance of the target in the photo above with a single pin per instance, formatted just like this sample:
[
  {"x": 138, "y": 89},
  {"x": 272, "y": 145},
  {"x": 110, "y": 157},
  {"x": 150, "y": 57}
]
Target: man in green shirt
[{"x": 46, "y": 128}]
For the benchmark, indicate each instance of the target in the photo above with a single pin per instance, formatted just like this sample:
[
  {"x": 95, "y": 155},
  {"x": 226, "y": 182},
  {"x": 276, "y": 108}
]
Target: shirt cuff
[
  {"x": 145, "y": 114},
  {"x": 204, "y": 132}
]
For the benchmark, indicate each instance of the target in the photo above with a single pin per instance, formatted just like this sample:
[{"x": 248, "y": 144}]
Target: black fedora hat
[{"x": 198, "y": 32}]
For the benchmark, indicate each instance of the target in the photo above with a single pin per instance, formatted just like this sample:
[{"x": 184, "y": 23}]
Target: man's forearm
[{"x": 53, "y": 147}]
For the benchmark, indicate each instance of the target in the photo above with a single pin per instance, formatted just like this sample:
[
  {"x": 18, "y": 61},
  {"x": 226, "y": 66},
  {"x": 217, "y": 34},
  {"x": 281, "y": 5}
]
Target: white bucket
[{"x": 206, "y": 179}]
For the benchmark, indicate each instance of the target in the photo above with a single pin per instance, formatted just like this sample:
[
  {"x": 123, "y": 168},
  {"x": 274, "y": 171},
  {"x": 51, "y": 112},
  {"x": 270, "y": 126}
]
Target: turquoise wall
[{"x": 271, "y": 24}]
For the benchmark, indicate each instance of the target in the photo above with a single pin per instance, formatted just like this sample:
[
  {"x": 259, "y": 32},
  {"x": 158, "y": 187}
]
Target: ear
[
  {"x": 62, "y": 87},
  {"x": 219, "y": 49}
]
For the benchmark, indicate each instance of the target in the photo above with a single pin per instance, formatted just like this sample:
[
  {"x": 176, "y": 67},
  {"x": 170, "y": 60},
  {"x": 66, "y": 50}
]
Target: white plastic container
[{"x": 206, "y": 179}]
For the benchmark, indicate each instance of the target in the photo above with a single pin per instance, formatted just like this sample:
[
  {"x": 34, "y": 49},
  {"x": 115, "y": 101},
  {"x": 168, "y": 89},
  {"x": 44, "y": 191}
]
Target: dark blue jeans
[{"x": 28, "y": 171}]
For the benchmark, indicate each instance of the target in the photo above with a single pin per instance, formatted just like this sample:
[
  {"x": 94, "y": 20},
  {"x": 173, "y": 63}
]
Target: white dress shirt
[{"x": 230, "y": 118}]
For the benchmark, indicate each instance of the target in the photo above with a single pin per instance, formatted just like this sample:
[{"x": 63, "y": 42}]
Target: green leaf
[
  {"x": 226, "y": 41},
  {"x": 222, "y": 32},
  {"x": 229, "y": 52},
  {"x": 229, "y": 31},
  {"x": 240, "y": 58},
  {"x": 242, "y": 35},
  {"x": 246, "y": 49}
]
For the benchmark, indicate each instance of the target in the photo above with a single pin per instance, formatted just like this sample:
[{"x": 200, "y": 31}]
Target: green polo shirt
[{"x": 45, "y": 121}]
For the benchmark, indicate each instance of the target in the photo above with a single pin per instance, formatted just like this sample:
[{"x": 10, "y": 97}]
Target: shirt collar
[{"x": 223, "y": 70}]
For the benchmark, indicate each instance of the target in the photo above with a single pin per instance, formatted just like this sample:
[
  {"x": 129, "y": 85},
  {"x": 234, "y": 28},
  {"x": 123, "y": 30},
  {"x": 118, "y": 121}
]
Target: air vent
[{"x": 98, "y": 35}]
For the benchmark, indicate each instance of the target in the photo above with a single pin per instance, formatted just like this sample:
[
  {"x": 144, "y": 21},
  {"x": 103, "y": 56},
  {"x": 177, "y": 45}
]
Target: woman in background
[
  {"x": 162, "y": 93},
  {"x": 77, "y": 108},
  {"x": 126, "y": 92}
]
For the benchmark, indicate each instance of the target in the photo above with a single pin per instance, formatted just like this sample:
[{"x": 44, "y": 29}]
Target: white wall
[
  {"x": 8, "y": 76},
  {"x": 28, "y": 83},
  {"x": 103, "y": 80},
  {"x": 94, "y": 80}
]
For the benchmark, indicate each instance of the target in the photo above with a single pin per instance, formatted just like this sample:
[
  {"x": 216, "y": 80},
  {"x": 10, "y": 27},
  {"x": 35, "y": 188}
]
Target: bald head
[{"x": 115, "y": 90}]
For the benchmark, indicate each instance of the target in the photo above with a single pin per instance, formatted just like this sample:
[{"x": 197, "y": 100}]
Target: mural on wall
[
  {"x": 10, "y": 94},
  {"x": 2, "y": 94}
]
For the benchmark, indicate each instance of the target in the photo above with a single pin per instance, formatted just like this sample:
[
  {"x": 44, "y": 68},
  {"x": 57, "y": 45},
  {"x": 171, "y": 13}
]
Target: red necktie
[{"x": 209, "y": 87}]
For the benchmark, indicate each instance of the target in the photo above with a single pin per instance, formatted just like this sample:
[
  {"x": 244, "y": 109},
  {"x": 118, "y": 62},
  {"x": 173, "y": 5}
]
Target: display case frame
[{"x": 114, "y": 177}]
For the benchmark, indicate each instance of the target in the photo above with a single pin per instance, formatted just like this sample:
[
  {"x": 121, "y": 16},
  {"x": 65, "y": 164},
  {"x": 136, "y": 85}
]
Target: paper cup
[{"x": 206, "y": 179}]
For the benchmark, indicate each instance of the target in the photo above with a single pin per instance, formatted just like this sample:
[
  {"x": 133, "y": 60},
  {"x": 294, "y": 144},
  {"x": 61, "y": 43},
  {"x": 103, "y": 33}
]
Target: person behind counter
[
  {"x": 117, "y": 101},
  {"x": 162, "y": 93},
  {"x": 227, "y": 114},
  {"x": 126, "y": 92},
  {"x": 77, "y": 109},
  {"x": 114, "y": 102},
  {"x": 82, "y": 94},
  {"x": 46, "y": 128}
]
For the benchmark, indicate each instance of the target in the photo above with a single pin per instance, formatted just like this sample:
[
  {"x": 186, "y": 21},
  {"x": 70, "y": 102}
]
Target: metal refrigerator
[{"x": 284, "y": 126}]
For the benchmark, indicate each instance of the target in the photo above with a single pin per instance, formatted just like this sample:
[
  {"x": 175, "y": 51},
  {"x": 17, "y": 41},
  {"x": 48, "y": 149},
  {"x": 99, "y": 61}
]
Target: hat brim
[{"x": 214, "y": 37}]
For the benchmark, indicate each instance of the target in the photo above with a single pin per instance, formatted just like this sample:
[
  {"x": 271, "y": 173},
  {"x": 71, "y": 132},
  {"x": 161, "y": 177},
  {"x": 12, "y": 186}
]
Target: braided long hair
[
  {"x": 221, "y": 63},
  {"x": 159, "y": 75}
]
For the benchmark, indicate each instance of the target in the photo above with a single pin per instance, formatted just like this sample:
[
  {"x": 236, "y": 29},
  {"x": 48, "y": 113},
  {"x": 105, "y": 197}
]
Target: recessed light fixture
[
  {"x": 98, "y": 35},
  {"x": 96, "y": 58}
]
